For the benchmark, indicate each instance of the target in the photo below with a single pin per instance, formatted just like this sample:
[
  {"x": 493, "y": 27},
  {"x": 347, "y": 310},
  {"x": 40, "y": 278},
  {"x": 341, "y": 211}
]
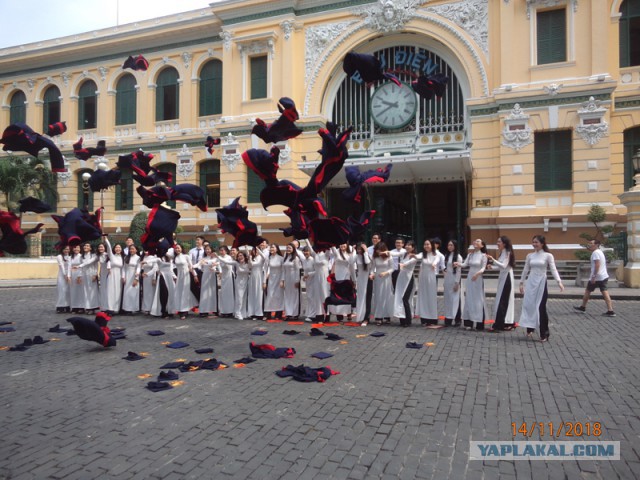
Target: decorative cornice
[
  {"x": 186, "y": 59},
  {"x": 592, "y": 125},
  {"x": 516, "y": 133},
  {"x": 226, "y": 39},
  {"x": 533, "y": 4},
  {"x": 553, "y": 89},
  {"x": 316, "y": 40},
  {"x": 287, "y": 27},
  {"x": 103, "y": 71},
  {"x": 470, "y": 15},
  {"x": 230, "y": 154},
  {"x": 185, "y": 165}
]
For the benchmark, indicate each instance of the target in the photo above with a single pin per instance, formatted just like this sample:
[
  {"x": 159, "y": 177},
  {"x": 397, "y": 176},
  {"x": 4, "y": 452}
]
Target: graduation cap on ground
[
  {"x": 161, "y": 223},
  {"x": 7, "y": 329},
  {"x": 333, "y": 337},
  {"x": 210, "y": 143},
  {"x": 77, "y": 226},
  {"x": 369, "y": 68},
  {"x": 306, "y": 374},
  {"x": 82, "y": 153},
  {"x": 245, "y": 360},
  {"x": 19, "y": 137},
  {"x": 158, "y": 386},
  {"x": 283, "y": 128},
  {"x": 191, "y": 194},
  {"x": 32, "y": 204},
  {"x": 136, "y": 63},
  {"x": 358, "y": 180},
  {"x": 322, "y": 355},
  {"x": 259, "y": 332},
  {"x": 414, "y": 345},
  {"x": 263, "y": 163},
  {"x": 94, "y": 330},
  {"x": 269, "y": 351},
  {"x": 315, "y": 332},
  {"x": 57, "y": 128},
  {"x": 155, "y": 333},
  {"x": 58, "y": 329},
  {"x": 204, "y": 350},
  {"x": 103, "y": 179},
  {"x": 172, "y": 365},
  {"x": 132, "y": 357},
  {"x": 428, "y": 86},
  {"x": 13, "y": 239},
  {"x": 177, "y": 345},
  {"x": 377, "y": 334},
  {"x": 290, "y": 332},
  {"x": 168, "y": 375}
]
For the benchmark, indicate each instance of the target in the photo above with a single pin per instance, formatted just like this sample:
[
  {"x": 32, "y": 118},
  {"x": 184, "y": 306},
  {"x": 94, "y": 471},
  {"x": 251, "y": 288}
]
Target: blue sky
[{"x": 50, "y": 19}]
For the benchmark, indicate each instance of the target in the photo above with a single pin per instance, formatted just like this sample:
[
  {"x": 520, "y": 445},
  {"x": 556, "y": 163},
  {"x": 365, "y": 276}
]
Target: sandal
[{"x": 378, "y": 322}]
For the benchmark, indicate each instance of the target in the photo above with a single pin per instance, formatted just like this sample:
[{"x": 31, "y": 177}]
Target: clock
[{"x": 393, "y": 106}]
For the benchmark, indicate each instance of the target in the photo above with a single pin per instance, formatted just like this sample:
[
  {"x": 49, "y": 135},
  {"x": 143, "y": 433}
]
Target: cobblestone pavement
[{"x": 73, "y": 410}]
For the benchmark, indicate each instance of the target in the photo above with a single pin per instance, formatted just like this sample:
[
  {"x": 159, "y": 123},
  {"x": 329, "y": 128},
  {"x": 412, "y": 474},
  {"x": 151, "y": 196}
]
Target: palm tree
[{"x": 24, "y": 176}]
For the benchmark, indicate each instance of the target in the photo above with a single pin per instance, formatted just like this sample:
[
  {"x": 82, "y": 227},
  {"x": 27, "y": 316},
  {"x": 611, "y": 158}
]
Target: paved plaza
[{"x": 74, "y": 410}]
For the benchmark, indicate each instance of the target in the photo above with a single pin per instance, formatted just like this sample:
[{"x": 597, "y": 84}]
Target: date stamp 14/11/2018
[{"x": 557, "y": 429}]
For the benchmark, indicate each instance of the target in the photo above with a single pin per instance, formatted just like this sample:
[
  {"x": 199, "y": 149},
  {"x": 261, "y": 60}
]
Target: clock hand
[{"x": 390, "y": 104}]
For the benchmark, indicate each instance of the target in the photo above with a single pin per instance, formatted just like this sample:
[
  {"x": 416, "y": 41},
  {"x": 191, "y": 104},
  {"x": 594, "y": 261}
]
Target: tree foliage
[
  {"x": 21, "y": 177},
  {"x": 138, "y": 224},
  {"x": 597, "y": 215}
]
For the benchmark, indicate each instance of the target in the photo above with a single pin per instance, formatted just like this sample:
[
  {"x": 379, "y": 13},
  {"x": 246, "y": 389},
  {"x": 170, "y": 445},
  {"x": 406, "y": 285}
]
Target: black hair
[
  {"x": 508, "y": 247},
  {"x": 543, "y": 241},
  {"x": 455, "y": 254}
]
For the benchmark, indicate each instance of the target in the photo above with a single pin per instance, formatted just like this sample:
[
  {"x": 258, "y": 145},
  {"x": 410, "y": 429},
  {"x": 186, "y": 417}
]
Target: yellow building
[{"x": 539, "y": 121}]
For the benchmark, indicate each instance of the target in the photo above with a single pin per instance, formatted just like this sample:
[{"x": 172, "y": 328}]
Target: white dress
[
  {"x": 183, "y": 299},
  {"x": 76, "y": 287},
  {"x": 89, "y": 267},
  {"x": 321, "y": 267},
  {"x": 255, "y": 293},
  {"x": 64, "y": 275},
  {"x": 103, "y": 281},
  {"x": 291, "y": 276},
  {"x": 474, "y": 303},
  {"x": 427, "y": 302},
  {"x": 227, "y": 301},
  {"x": 114, "y": 281},
  {"x": 209, "y": 285},
  {"x": 343, "y": 269},
  {"x": 243, "y": 271},
  {"x": 168, "y": 279},
  {"x": 534, "y": 276},
  {"x": 313, "y": 304},
  {"x": 451, "y": 297},
  {"x": 406, "y": 266},
  {"x": 131, "y": 292},
  {"x": 149, "y": 269},
  {"x": 363, "y": 269},
  {"x": 505, "y": 278},
  {"x": 382, "y": 287},
  {"x": 274, "y": 298}
]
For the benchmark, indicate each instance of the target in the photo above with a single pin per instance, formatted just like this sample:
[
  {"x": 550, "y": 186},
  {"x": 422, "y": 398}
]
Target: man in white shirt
[{"x": 597, "y": 279}]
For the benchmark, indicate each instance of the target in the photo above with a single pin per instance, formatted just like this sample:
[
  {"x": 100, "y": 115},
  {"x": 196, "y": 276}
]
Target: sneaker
[
  {"x": 610, "y": 313},
  {"x": 308, "y": 320},
  {"x": 580, "y": 309}
]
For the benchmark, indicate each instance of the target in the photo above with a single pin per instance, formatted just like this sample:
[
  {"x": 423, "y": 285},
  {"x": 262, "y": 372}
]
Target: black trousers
[
  {"x": 544, "y": 317},
  {"x": 503, "y": 306},
  {"x": 164, "y": 296},
  {"x": 195, "y": 287},
  {"x": 367, "y": 310},
  {"x": 406, "y": 303}
]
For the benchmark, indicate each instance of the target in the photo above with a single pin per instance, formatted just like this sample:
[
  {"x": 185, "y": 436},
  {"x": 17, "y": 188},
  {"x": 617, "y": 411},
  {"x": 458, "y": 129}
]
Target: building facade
[{"x": 539, "y": 121}]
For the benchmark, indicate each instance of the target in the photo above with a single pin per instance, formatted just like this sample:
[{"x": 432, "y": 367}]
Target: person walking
[
  {"x": 597, "y": 279},
  {"x": 504, "y": 305},
  {"x": 533, "y": 287}
]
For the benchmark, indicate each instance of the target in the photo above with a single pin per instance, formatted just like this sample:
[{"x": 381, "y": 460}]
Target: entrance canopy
[{"x": 435, "y": 167}]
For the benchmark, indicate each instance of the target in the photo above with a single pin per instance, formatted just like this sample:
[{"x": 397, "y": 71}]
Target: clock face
[{"x": 392, "y": 106}]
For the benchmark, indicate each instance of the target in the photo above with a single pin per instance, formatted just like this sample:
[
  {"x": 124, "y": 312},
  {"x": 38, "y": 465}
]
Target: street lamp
[
  {"x": 85, "y": 189},
  {"x": 635, "y": 161}
]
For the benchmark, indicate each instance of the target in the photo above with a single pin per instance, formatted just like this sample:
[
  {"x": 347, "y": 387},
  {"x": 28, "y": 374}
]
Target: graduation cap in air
[
  {"x": 428, "y": 86},
  {"x": 329, "y": 232},
  {"x": 153, "y": 196},
  {"x": 32, "y": 204},
  {"x": 136, "y": 63},
  {"x": 191, "y": 194},
  {"x": 283, "y": 128},
  {"x": 341, "y": 292},
  {"x": 152, "y": 178},
  {"x": 234, "y": 220},
  {"x": 210, "y": 143},
  {"x": 357, "y": 180},
  {"x": 57, "y": 128},
  {"x": 358, "y": 226},
  {"x": 163, "y": 247},
  {"x": 306, "y": 374},
  {"x": 82, "y": 153},
  {"x": 13, "y": 239},
  {"x": 19, "y": 137},
  {"x": 94, "y": 330},
  {"x": 284, "y": 192},
  {"x": 299, "y": 224},
  {"x": 263, "y": 163},
  {"x": 369, "y": 68},
  {"x": 269, "y": 351},
  {"x": 103, "y": 179},
  {"x": 161, "y": 223},
  {"x": 138, "y": 161},
  {"x": 77, "y": 226}
]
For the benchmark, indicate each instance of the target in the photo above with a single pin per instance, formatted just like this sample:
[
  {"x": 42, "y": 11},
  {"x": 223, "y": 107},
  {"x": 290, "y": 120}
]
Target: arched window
[
  {"x": 50, "y": 107},
  {"x": 630, "y": 33},
  {"x": 167, "y": 95},
  {"x": 17, "y": 108},
  {"x": 210, "y": 181},
  {"x": 631, "y": 147},
  {"x": 171, "y": 168},
  {"x": 87, "y": 105},
  {"x": 124, "y": 191},
  {"x": 85, "y": 195},
  {"x": 211, "y": 89},
  {"x": 126, "y": 100}
]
